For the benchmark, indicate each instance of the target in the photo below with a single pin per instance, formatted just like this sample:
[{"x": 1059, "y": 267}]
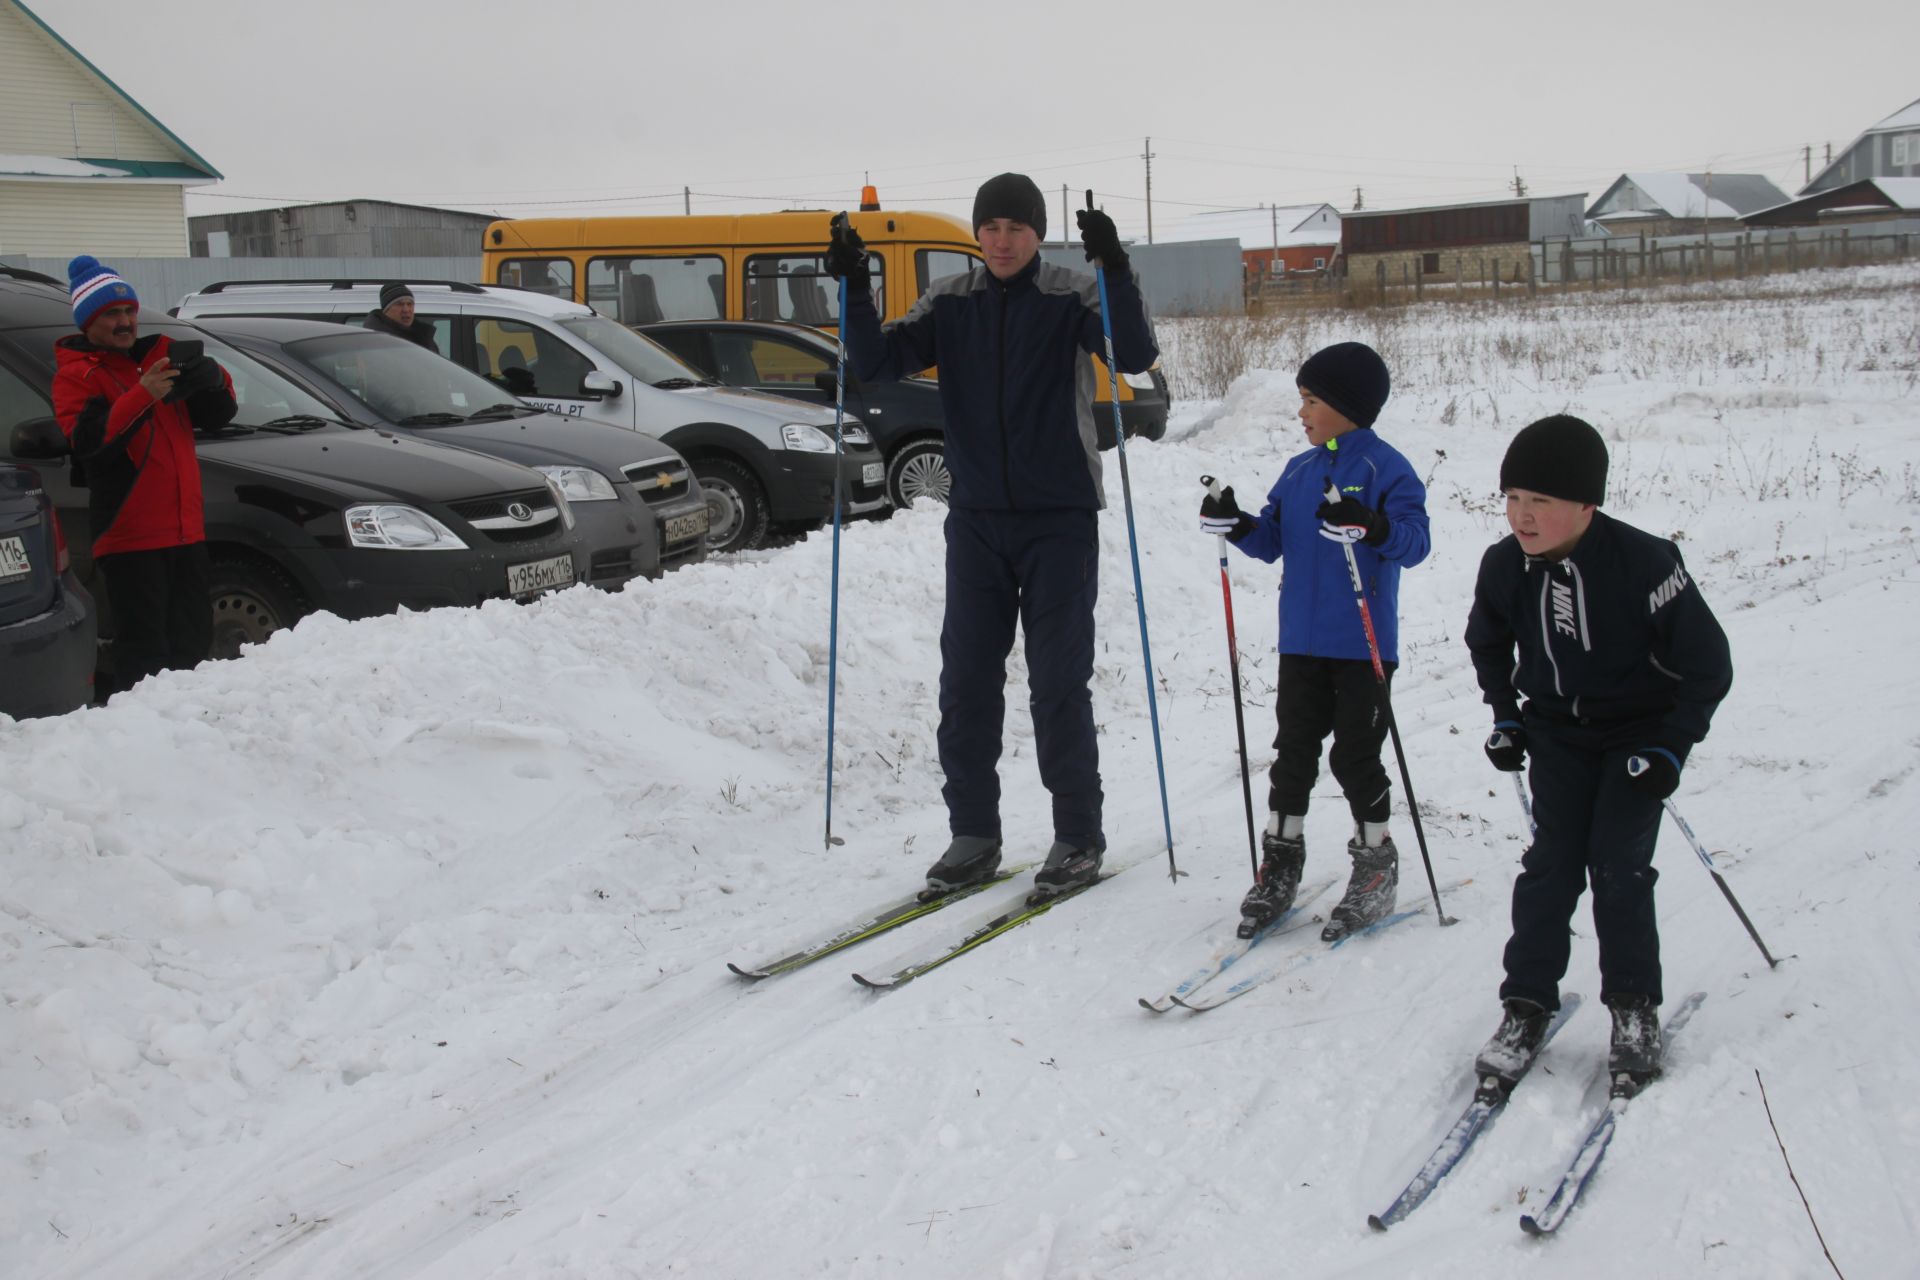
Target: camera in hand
[{"x": 196, "y": 371}]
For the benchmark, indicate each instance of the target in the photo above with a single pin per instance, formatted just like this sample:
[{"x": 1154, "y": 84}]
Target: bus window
[
  {"x": 643, "y": 290},
  {"x": 551, "y": 276},
  {"x": 935, "y": 264},
  {"x": 797, "y": 287}
]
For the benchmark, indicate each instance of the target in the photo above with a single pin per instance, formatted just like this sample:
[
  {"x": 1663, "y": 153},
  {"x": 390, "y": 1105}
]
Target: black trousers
[
  {"x": 162, "y": 610},
  {"x": 1041, "y": 570},
  {"x": 1593, "y": 827},
  {"x": 1340, "y": 696}
]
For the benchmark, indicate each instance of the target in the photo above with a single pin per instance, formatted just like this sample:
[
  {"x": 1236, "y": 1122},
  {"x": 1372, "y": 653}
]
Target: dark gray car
[
  {"x": 636, "y": 499},
  {"x": 47, "y": 619}
]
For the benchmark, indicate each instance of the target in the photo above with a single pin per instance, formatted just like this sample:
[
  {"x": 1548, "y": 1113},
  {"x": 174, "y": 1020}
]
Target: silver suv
[{"x": 765, "y": 464}]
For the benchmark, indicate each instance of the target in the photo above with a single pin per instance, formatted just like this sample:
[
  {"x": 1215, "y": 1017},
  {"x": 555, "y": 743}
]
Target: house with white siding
[{"x": 83, "y": 167}]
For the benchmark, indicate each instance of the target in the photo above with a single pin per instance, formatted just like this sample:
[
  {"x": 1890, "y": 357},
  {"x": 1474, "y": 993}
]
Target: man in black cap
[
  {"x": 1013, "y": 339},
  {"x": 1327, "y": 683},
  {"x": 394, "y": 315},
  {"x": 1621, "y": 664}
]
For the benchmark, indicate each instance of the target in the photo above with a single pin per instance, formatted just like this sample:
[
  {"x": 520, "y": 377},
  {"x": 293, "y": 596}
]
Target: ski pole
[
  {"x": 1233, "y": 667},
  {"x": 1526, "y": 804},
  {"x": 833, "y": 609},
  {"x": 1386, "y": 705},
  {"x": 1637, "y": 765},
  {"x": 1133, "y": 548}
]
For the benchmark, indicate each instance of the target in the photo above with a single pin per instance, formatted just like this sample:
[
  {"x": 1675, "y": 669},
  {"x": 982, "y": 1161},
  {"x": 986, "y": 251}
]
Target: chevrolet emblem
[{"x": 663, "y": 480}]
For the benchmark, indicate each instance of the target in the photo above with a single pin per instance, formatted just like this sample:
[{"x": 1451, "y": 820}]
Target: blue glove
[
  {"x": 1655, "y": 771},
  {"x": 1507, "y": 746}
]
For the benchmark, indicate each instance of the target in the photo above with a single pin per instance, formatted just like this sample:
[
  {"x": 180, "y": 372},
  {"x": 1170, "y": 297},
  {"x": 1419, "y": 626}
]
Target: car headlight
[
  {"x": 560, "y": 501},
  {"x": 805, "y": 438},
  {"x": 580, "y": 484},
  {"x": 854, "y": 433},
  {"x": 390, "y": 527},
  {"x": 1138, "y": 381}
]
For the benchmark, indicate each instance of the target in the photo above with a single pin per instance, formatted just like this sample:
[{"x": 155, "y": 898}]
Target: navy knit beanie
[
  {"x": 1349, "y": 376},
  {"x": 1011, "y": 195},
  {"x": 1561, "y": 457}
]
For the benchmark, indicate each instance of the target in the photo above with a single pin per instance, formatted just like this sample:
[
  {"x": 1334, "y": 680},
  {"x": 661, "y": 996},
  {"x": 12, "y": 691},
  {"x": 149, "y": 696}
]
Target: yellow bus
[{"x": 756, "y": 266}]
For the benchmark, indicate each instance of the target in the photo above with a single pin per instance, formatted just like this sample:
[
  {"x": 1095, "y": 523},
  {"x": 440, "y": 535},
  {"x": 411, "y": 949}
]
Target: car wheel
[
  {"x": 919, "y": 470},
  {"x": 737, "y": 511},
  {"x": 250, "y": 603}
]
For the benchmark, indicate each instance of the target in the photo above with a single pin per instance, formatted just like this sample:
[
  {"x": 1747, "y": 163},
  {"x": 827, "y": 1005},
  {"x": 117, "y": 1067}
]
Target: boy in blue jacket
[
  {"x": 1327, "y": 682},
  {"x": 1600, "y": 629}
]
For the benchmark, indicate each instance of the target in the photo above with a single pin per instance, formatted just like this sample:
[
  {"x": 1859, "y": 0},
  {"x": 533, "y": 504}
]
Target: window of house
[
  {"x": 551, "y": 276},
  {"x": 1319, "y": 263},
  {"x": 1429, "y": 264},
  {"x": 1900, "y": 151},
  {"x": 643, "y": 290}
]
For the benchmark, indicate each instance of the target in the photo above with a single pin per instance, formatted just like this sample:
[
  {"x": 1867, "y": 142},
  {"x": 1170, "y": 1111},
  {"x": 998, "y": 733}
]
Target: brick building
[{"x": 1467, "y": 242}]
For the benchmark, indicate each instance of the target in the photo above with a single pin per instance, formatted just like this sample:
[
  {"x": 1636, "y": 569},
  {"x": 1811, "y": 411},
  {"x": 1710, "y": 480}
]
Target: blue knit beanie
[{"x": 94, "y": 288}]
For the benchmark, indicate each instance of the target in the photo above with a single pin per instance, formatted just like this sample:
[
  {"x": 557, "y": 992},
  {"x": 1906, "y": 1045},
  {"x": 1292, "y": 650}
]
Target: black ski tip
[
  {"x": 1374, "y": 1221},
  {"x": 1248, "y": 927},
  {"x": 751, "y": 975},
  {"x": 1533, "y": 1228},
  {"x": 872, "y": 984}
]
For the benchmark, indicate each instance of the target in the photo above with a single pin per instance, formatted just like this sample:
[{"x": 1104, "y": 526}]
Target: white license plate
[
  {"x": 873, "y": 472},
  {"x": 13, "y": 557},
  {"x": 691, "y": 525},
  {"x": 539, "y": 575}
]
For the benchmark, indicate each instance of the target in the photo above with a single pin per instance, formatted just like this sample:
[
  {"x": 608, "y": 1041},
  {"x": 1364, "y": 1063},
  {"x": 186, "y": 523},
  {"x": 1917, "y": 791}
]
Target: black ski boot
[
  {"x": 1634, "y": 1058},
  {"x": 1371, "y": 889},
  {"x": 1271, "y": 897},
  {"x": 1067, "y": 868},
  {"x": 969, "y": 860},
  {"x": 1506, "y": 1057}
]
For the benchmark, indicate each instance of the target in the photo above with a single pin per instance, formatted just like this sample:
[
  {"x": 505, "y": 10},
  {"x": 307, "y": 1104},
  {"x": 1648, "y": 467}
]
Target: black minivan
[{"x": 304, "y": 513}]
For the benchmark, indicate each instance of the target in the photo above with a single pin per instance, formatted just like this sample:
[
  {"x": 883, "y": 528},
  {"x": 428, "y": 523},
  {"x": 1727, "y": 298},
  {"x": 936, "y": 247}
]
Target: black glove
[
  {"x": 1507, "y": 746},
  {"x": 1101, "y": 239},
  {"x": 1223, "y": 517},
  {"x": 847, "y": 255},
  {"x": 1655, "y": 771},
  {"x": 202, "y": 373},
  {"x": 1339, "y": 520}
]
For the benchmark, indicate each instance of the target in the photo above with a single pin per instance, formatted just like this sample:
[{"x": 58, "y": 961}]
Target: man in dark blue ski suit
[{"x": 1013, "y": 340}]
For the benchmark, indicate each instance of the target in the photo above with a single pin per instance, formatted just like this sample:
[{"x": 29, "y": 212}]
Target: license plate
[
  {"x": 13, "y": 557},
  {"x": 539, "y": 575},
  {"x": 873, "y": 472},
  {"x": 691, "y": 525}
]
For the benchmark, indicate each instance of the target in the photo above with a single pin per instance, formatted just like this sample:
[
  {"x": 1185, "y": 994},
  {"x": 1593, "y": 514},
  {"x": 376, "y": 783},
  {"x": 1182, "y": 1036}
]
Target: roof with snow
[
  {"x": 1907, "y": 117},
  {"x": 1296, "y": 225},
  {"x": 1686, "y": 195},
  {"x": 1869, "y": 195}
]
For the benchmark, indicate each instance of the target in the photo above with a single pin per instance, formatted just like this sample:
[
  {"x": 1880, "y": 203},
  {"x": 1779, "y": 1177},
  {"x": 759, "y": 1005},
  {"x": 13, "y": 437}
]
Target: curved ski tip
[
  {"x": 1151, "y": 1007},
  {"x": 750, "y": 975},
  {"x": 870, "y": 983},
  {"x": 1532, "y": 1227},
  {"x": 1374, "y": 1221}
]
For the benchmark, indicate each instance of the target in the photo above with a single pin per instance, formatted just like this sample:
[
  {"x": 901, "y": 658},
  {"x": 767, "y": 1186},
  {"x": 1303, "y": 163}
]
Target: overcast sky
[{"x": 613, "y": 106}]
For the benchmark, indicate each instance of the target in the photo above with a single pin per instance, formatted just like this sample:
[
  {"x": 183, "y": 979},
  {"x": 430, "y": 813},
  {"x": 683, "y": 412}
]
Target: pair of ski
[
  {"x": 1489, "y": 1100},
  {"x": 1029, "y": 906},
  {"x": 1188, "y": 994}
]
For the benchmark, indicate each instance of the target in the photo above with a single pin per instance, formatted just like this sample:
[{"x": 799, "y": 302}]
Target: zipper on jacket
[{"x": 1000, "y": 399}]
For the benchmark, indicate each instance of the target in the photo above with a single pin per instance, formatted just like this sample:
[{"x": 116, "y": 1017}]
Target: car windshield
[
  {"x": 262, "y": 395},
  {"x": 643, "y": 358},
  {"x": 402, "y": 382}
]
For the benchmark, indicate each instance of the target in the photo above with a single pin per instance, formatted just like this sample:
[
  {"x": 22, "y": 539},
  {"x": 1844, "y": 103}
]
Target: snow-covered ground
[{"x": 398, "y": 949}]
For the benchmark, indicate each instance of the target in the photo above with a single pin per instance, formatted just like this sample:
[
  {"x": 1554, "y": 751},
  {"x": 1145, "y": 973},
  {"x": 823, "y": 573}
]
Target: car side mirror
[
  {"x": 600, "y": 385},
  {"x": 827, "y": 384},
  {"x": 39, "y": 439}
]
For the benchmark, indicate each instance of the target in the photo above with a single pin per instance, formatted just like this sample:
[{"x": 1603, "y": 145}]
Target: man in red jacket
[{"x": 130, "y": 414}]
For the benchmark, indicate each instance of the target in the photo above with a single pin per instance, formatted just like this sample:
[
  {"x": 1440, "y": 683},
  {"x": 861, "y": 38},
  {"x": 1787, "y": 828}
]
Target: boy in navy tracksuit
[
  {"x": 1013, "y": 338},
  {"x": 1621, "y": 664},
  {"x": 1327, "y": 681}
]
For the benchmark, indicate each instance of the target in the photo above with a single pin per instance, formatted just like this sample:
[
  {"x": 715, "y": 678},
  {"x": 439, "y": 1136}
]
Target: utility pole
[
  {"x": 1519, "y": 184},
  {"x": 1829, "y": 153},
  {"x": 1806, "y": 160},
  {"x": 1147, "y": 155},
  {"x": 1066, "y": 215},
  {"x": 1358, "y": 203},
  {"x": 686, "y": 200},
  {"x": 1274, "y": 265}
]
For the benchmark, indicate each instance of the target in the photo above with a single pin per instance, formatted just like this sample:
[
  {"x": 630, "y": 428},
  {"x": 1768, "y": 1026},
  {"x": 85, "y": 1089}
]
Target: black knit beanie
[
  {"x": 1561, "y": 457},
  {"x": 393, "y": 293},
  {"x": 1011, "y": 195},
  {"x": 1351, "y": 377}
]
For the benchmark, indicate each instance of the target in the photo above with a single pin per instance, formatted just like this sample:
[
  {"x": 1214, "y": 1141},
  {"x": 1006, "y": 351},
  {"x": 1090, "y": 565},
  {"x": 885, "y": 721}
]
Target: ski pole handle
[{"x": 1213, "y": 486}]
